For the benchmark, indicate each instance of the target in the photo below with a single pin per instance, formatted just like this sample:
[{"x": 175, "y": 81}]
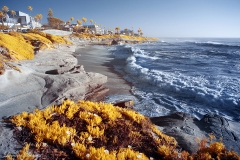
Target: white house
[
  {"x": 94, "y": 29},
  {"x": 21, "y": 19}
]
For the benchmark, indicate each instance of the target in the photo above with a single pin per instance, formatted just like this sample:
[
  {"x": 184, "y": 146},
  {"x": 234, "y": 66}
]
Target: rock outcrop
[
  {"x": 51, "y": 77},
  {"x": 186, "y": 129}
]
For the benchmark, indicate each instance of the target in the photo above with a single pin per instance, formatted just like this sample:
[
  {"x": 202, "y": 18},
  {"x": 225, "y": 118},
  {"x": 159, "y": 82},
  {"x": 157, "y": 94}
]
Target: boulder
[
  {"x": 125, "y": 104},
  {"x": 186, "y": 129},
  {"x": 114, "y": 42}
]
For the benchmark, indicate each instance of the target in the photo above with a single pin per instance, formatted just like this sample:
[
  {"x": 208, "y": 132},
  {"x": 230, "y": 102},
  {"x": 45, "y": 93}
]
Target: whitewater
[{"x": 195, "y": 76}]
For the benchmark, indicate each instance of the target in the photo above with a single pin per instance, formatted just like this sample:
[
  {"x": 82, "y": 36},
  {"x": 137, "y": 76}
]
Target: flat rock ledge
[
  {"x": 51, "y": 77},
  {"x": 186, "y": 129}
]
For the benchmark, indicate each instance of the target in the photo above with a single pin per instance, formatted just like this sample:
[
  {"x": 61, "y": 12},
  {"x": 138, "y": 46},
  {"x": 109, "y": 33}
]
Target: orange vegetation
[
  {"x": 113, "y": 36},
  {"x": 18, "y": 46},
  {"x": 88, "y": 130}
]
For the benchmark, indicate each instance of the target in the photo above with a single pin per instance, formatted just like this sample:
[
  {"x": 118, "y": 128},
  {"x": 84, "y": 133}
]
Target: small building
[
  {"x": 94, "y": 29},
  {"x": 21, "y": 19}
]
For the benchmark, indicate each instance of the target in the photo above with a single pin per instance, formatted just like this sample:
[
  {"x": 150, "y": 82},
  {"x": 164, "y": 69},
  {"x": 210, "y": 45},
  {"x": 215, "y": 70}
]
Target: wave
[
  {"x": 220, "y": 92},
  {"x": 216, "y": 44}
]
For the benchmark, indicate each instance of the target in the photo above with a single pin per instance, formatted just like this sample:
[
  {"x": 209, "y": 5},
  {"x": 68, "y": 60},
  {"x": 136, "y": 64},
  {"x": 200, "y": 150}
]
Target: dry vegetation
[
  {"x": 87, "y": 130},
  {"x": 19, "y": 46},
  {"x": 113, "y": 36},
  {"x": 16, "y": 46}
]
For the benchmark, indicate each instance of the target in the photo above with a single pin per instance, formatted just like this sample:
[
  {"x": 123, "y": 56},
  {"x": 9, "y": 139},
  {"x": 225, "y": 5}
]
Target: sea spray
[{"x": 195, "y": 76}]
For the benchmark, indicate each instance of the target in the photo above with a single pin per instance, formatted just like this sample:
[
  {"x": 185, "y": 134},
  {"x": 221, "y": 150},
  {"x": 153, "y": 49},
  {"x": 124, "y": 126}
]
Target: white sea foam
[{"x": 163, "y": 91}]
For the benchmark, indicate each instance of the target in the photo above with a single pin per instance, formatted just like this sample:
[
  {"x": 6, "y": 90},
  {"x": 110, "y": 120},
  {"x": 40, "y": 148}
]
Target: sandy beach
[{"x": 98, "y": 59}]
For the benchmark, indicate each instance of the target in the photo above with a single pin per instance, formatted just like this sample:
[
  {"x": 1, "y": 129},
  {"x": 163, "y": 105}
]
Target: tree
[
  {"x": 84, "y": 20},
  {"x": 76, "y": 28},
  {"x": 91, "y": 21},
  {"x": 38, "y": 17},
  {"x": 5, "y": 10},
  {"x": 50, "y": 13},
  {"x": 79, "y": 22},
  {"x": 30, "y": 8},
  {"x": 117, "y": 29},
  {"x": 55, "y": 22},
  {"x": 13, "y": 13},
  {"x": 71, "y": 19},
  {"x": 2, "y": 15}
]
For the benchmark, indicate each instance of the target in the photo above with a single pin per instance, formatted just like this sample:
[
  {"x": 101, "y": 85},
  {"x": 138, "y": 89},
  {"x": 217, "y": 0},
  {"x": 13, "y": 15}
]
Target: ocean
[{"x": 192, "y": 75}]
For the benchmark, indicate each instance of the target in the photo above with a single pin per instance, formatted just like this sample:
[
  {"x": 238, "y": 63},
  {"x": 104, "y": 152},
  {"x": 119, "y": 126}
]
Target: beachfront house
[
  {"x": 20, "y": 20},
  {"x": 94, "y": 29}
]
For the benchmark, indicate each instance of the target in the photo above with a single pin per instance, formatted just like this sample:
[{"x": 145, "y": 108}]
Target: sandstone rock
[
  {"x": 96, "y": 94},
  {"x": 114, "y": 42},
  {"x": 185, "y": 129}
]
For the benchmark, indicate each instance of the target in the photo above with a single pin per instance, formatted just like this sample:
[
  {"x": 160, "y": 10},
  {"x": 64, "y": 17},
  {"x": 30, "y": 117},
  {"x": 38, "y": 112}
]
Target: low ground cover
[{"x": 88, "y": 130}]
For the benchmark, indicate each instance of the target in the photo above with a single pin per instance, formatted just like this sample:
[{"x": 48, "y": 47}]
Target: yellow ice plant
[
  {"x": 217, "y": 147},
  {"x": 17, "y": 48},
  {"x": 167, "y": 151},
  {"x": 107, "y": 110},
  {"x": 135, "y": 116},
  {"x": 90, "y": 118},
  {"x": 97, "y": 121},
  {"x": 57, "y": 39},
  {"x": 79, "y": 149},
  {"x": 61, "y": 109},
  {"x": 100, "y": 153},
  {"x": 23, "y": 154},
  {"x": 42, "y": 39},
  {"x": 128, "y": 153},
  {"x": 72, "y": 109},
  {"x": 95, "y": 131},
  {"x": 107, "y": 36},
  {"x": 163, "y": 137}
]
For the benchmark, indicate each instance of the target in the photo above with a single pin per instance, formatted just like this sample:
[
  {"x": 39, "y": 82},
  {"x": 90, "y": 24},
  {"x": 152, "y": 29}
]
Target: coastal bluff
[{"x": 51, "y": 77}]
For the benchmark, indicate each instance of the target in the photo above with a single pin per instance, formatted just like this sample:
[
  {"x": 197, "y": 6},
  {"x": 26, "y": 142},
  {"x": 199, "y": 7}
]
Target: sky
[{"x": 156, "y": 18}]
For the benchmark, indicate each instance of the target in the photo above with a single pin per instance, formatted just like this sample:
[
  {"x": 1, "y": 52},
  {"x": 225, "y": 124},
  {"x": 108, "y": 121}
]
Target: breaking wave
[{"x": 186, "y": 80}]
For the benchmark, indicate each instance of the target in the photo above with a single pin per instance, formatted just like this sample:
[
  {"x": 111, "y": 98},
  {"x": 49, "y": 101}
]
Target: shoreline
[
  {"x": 98, "y": 59},
  {"x": 62, "y": 81},
  {"x": 182, "y": 126}
]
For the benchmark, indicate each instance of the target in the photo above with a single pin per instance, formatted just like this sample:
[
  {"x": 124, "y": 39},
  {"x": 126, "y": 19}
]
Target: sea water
[{"x": 195, "y": 76}]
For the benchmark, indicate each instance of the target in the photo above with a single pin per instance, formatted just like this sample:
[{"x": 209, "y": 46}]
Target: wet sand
[{"x": 98, "y": 59}]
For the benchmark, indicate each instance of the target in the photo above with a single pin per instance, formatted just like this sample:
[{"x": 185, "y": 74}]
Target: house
[
  {"x": 94, "y": 29},
  {"x": 21, "y": 20}
]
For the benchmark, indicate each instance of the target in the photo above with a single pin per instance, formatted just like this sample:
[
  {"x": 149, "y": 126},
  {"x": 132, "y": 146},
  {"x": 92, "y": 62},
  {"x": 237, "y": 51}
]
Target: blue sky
[{"x": 158, "y": 18}]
